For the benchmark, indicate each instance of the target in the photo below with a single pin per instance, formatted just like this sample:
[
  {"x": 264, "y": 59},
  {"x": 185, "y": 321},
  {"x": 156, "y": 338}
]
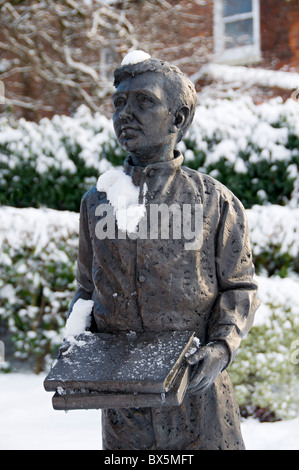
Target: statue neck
[{"x": 152, "y": 156}]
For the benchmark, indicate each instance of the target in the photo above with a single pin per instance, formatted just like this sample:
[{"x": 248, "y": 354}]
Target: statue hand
[{"x": 208, "y": 362}]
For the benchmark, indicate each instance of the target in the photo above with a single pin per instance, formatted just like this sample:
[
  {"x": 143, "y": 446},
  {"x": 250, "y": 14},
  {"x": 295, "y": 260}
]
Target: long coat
[{"x": 159, "y": 285}]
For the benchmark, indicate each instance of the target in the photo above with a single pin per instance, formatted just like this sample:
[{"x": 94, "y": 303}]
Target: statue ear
[{"x": 180, "y": 118}]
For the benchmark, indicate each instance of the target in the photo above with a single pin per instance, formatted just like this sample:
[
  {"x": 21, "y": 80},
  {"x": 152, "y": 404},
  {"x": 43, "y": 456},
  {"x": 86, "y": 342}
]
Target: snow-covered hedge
[
  {"x": 275, "y": 239},
  {"x": 253, "y": 149},
  {"x": 38, "y": 266},
  {"x": 37, "y": 278},
  {"x": 265, "y": 372},
  {"x": 53, "y": 162}
]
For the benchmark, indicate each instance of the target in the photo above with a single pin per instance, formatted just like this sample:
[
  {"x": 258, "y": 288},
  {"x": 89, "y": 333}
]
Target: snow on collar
[{"x": 123, "y": 195}]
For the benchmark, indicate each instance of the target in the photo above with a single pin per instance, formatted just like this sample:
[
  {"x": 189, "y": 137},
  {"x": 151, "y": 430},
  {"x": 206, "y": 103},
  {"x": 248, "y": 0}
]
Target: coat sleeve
[
  {"x": 237, "y": 301},
  {"x": 85, "y": 286}
]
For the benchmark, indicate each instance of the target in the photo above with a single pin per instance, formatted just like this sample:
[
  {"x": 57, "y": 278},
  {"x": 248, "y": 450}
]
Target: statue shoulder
[
  {"x": 211, "y": 187},
  {"x": 91, "y": 197},
  {"x": 90, "y": 194}
]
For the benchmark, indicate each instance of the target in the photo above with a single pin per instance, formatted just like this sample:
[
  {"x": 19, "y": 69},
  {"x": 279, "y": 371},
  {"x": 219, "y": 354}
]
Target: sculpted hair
[{"x": 179, "y": 88}]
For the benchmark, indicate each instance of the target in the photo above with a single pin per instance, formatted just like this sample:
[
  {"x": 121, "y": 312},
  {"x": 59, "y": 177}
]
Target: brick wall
[
  {"x": 279, "y": 34},
  {"x": 294, "y": 36}
]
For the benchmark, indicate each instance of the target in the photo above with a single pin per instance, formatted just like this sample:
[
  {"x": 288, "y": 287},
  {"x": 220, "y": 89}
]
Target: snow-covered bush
[
  {"x": 37, "y": 277},
  {"x": 253, "y": 149},
  {"x": 53, "y": 162},
  {"x": 265, "y": 372},
  {"x": 275, "y": 239}
]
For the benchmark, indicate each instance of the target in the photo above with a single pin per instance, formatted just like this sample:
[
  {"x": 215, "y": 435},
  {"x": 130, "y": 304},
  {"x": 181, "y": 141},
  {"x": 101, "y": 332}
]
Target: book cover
[{"x": 103, "y": 365}]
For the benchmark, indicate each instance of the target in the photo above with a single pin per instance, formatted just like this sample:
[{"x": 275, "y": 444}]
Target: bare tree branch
[{"x": 63, "y": 53}]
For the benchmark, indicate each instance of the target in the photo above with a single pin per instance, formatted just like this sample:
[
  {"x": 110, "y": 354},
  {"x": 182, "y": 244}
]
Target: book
[{"x": 103, "y": 370}]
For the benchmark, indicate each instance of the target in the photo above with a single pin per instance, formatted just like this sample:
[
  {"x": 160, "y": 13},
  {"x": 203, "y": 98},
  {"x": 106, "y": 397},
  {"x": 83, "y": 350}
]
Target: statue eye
[
  {"x": 119, "y": 102},
  {"x": 145, "y": 101}
]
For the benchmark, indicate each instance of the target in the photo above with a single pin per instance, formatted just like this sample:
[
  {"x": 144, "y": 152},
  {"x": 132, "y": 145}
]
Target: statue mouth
[{"x": 128, "y": 132}]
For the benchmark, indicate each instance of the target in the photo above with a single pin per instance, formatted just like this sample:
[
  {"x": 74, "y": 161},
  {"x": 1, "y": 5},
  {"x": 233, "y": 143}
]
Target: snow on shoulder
[
  {"x": 134, "y": 57},
  {"x": 123, "y": 195}
]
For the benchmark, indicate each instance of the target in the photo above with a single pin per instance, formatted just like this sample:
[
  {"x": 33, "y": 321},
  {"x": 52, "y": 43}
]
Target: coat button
[{"x": 141, "y": 278}]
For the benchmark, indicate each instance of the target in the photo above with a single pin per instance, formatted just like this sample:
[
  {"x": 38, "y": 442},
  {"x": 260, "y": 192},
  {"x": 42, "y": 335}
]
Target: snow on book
[{"x": 102, "y": 370}]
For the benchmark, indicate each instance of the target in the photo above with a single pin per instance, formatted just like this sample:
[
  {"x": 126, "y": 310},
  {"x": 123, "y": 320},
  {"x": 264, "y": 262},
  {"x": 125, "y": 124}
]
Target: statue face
[{"x": 142, "y": 118}]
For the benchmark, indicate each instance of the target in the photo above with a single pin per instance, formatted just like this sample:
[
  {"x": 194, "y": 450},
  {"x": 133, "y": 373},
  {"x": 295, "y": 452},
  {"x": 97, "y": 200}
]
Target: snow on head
[
  {"x": 123, "y": 195},
  {"x": 135, "y": 57}
]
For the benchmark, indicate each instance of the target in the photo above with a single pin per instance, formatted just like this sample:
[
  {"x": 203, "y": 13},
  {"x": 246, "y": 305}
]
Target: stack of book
[{"x": 121, "y": 370}]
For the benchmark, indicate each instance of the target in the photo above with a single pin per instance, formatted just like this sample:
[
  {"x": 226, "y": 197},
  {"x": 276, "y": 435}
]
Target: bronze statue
[{"x": 162, "y": 284}]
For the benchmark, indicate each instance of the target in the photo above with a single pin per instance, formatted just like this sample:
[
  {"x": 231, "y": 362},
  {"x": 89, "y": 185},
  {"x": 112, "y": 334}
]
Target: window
[{"x": 237, "y": 31}]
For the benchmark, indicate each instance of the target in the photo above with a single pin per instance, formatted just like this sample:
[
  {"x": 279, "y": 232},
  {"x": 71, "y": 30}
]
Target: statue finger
[
  {"x": 196, "y": 357},
  {"x": 196, "y": 378},
  {"x": 202, "y": 386}
]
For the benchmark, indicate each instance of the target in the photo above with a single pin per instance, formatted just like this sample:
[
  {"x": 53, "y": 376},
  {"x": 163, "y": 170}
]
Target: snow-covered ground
[{"x": 28, "y": 422}]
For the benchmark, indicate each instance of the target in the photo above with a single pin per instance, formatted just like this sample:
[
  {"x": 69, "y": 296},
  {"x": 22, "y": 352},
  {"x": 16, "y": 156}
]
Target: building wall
[
  {"x": 294, "y": 36},
  {"x": 183, "y": 35},
  {"x": 279, "y": 34}
]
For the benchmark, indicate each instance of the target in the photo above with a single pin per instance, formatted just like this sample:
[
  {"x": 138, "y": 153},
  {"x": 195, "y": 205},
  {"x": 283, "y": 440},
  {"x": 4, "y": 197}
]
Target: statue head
[{"x": 180, "y": 91}]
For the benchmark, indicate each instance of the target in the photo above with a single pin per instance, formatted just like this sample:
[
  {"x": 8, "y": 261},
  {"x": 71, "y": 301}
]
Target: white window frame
[{"x": 240, "y": 55}]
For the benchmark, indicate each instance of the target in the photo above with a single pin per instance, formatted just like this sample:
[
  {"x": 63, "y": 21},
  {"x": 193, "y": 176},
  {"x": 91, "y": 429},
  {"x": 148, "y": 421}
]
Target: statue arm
[
  {"x": 237, "y": 302},
  {"x": 85, "y": 286}
]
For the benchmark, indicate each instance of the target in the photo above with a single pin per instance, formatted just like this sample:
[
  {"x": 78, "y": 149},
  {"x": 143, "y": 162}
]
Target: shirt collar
[
  {"x": 156, "y": 175},
  {"x": 166, "y": 168}
]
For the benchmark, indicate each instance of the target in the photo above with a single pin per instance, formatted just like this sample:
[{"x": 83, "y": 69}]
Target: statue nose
[{"x": 126, "y": 112}]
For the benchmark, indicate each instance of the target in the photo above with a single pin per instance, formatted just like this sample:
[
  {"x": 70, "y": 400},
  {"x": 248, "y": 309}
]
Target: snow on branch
[{"x": 70, "y": 48}]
